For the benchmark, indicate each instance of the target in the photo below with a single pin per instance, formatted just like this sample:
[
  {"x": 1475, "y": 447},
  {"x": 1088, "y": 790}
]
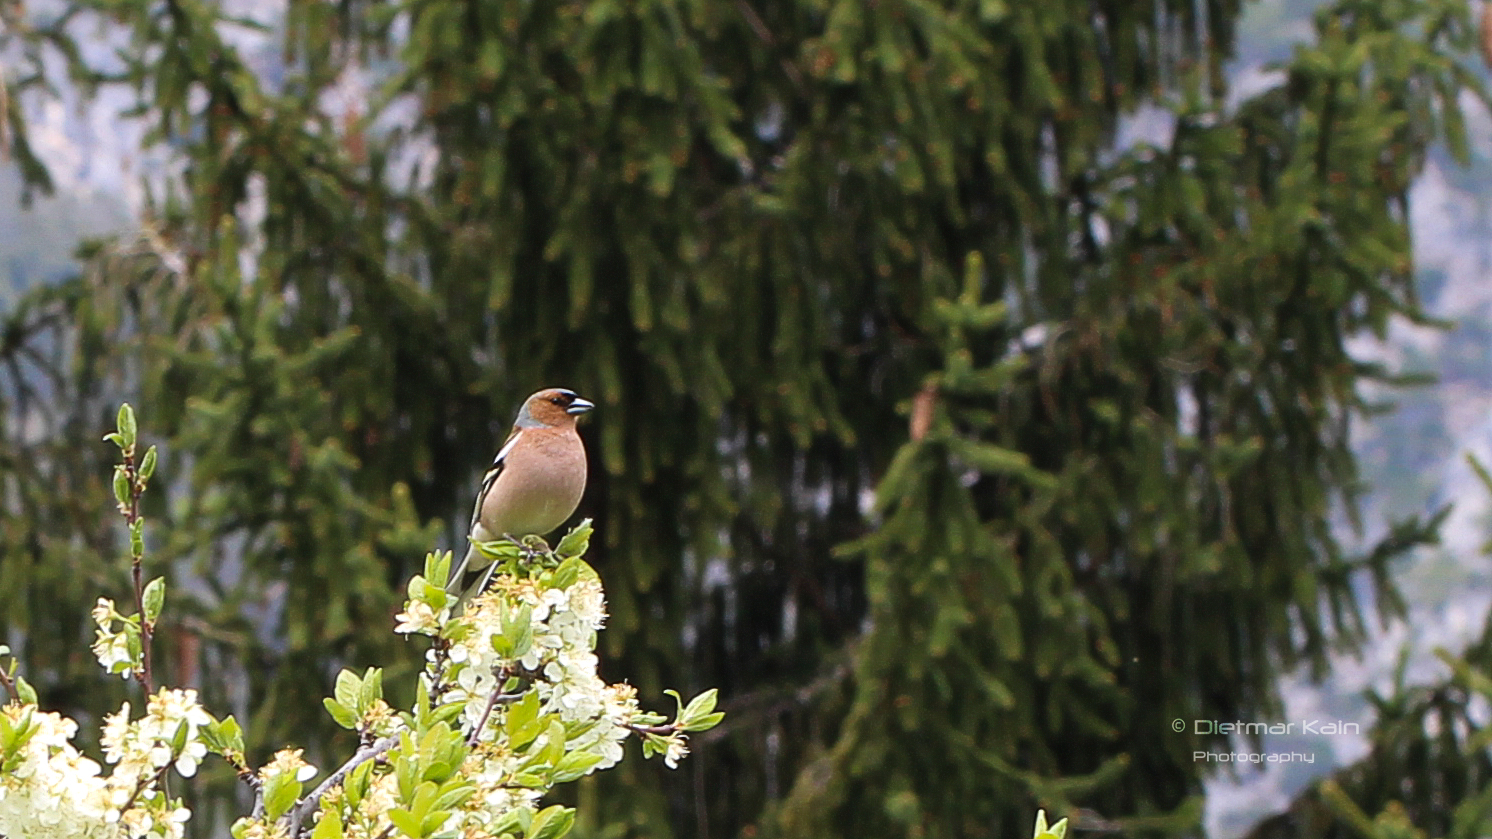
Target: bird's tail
[{"x": 453, "y": 584}]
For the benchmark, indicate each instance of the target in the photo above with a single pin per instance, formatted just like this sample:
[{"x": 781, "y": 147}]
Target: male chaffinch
[{"x": 534, "y": 483}]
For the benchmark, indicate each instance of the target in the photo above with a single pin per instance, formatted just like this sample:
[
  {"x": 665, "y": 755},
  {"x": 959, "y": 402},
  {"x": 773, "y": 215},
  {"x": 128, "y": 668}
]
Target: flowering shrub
[{"x": 509, "y": 704}]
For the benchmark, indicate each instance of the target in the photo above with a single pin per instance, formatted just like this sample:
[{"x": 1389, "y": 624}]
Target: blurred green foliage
[{"x": 766, "y": 239}]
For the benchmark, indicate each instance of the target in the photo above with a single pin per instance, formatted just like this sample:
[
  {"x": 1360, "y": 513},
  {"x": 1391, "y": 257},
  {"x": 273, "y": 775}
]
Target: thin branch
[
  {"x": 306, "y": 806},
  {"x": 10, "y": 686},
  {"x": 250, "y": 779},
  {"x": 497, "y": 698},
  {"x": 147, "y": 627},
  {"x": 257, "y": 811},
  {"x": 142, "y": 784},
  {"x": 671, "y": 728},
  {"x": 437, "y": 670},
  {"x": 759, "y": 26},
  {"x": 748, "y": 710}
]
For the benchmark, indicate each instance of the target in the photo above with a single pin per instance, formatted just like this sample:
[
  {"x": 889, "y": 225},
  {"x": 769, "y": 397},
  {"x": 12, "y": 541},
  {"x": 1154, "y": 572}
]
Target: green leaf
[
  {"x": 699, "y": 706},
  {"x": 341, "y": 713},
  {"x": 520, "y": 629},
  {"x": 24, "y": 691},
  {"x": 1056, "y": 831},
  {"x": 654, "y": 744},
  {"x": 424, "y": 797},
  {"x": 499, "y": 549},
  {"x": 371, "y": 690},
  {"x": 415, "y": 589},
  {"x": 574, "y": 765},
  {"x": 132, "y": 640},
  {"x": 554, "y": 745},
  {"x": 357, "y": 783},
  {"x": 121, "y": 486},
  {"x": 348, "y": 688},
  {"x": 147, "y": 465},
  {"x": 438, "y": 565},
  {"x": 406, "y": 822},
  {"x": 280, "y": 794},
  {"x": 455, "y": 795},
  {"x": 421, "y": 704},
  {"x": 231, "y": 734},
  {"x": 567, "y": 573},
  {"x": 576, "y": 542},
  {"x": 154, "y": 599},
  {"x": 125, "y": 425},
  {"x": 503, "y": 646},
  {"x": 433, "y": 594},
  {"x": 212, "y": 737},
  {"x": 517, "y": 820},
  {"x": 521, "y": 737},
  {"x": 329, "y": 826},
  {"x": 706, "y": 722},
  {"x": 445, "y": 713},
  {"x": 552, "y": 822},
  {"x": 521, "y": 714}
]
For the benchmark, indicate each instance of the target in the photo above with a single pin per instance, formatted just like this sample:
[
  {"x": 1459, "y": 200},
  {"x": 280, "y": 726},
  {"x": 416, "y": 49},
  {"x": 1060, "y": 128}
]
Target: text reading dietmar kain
[{"x": 1273, "y": 728}]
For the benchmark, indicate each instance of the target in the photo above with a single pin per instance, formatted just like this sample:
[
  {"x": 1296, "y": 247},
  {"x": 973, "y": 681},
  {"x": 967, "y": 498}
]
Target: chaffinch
[{"x": 533, "y": 484}]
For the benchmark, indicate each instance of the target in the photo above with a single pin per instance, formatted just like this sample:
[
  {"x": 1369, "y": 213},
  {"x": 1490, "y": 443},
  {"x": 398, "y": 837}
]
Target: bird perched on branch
[{"x": 533, "y": 484}]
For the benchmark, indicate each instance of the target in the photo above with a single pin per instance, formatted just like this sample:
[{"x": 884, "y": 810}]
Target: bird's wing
[
  {"x": 459, "y": 570},
  {"x": 491, "y": 477}
]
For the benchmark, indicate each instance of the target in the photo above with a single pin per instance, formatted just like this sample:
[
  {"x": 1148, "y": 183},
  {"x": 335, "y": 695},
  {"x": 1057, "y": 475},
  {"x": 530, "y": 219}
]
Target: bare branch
[
  {"x": 147, "y": 627},
  {"x": 306, "y": 806},
  {"x": 497, "y": 698}
]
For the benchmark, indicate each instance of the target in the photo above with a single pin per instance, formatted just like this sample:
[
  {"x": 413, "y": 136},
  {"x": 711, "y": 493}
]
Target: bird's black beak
[{"x": 580, "y": 406}]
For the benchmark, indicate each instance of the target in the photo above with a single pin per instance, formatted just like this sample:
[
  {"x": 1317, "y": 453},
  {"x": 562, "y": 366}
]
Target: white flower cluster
[
  {"x": 48, "y": 789},
  {"x": 510, "y": 705},
  {"x": 517, "y": 668},
  {"x": 562, "y": 626},
  {"x": 112, "y": 647}
]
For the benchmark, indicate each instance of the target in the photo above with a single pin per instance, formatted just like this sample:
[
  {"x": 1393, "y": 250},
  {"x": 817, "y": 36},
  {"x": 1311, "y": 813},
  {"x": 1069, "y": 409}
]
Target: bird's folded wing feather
[
  {"x": 491, "y": 477},
  {"x": 459, "y": 570}
]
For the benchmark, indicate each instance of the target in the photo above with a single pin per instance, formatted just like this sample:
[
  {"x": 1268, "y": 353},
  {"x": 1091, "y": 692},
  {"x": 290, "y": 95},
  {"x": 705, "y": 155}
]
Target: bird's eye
[{"x": 557, "y": 400}]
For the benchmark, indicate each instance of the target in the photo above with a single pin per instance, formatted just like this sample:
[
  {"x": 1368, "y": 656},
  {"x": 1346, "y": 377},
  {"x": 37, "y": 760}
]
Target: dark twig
[
  {"x": 142, "y": 784},
  {"x": 10, "y": 686},
  {"x": 497, "y": 698},
  {"x": 502, "y": 675},
  {"x": 759, "y": 26},
  {"x": 147, "y": 627},
  {"x": 671, "y": 728}
]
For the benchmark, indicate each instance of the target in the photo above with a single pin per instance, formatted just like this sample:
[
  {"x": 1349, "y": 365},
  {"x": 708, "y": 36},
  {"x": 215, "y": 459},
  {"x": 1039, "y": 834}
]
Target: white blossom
[
  {"x": 419, "y": 618},
  {"x": 677, "y": 749}
]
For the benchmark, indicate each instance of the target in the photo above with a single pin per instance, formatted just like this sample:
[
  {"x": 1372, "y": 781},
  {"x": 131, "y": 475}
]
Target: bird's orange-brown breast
[{"x": 540, "y": 485}]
